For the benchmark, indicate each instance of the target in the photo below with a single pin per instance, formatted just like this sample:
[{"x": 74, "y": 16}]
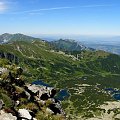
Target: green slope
[{"x": 40, "y": 61}]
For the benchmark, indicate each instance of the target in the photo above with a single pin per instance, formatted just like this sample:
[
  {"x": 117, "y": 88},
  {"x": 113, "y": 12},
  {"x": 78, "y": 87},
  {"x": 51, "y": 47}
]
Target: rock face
[{"x": 42, "y": 92}]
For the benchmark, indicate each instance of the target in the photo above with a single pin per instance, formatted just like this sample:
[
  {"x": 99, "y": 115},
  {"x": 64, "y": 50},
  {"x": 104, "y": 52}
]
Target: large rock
[
  {"x": 49, "y": 111},
  {"x": 3, "y": 70},
  {"x": 7, "y": 116},
  {"x": 24, "y": 114},
  {"x": 42, "y": 92}
]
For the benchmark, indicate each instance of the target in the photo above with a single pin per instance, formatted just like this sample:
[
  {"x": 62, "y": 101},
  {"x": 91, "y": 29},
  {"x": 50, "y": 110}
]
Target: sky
[{"x": 60, "y": 17}]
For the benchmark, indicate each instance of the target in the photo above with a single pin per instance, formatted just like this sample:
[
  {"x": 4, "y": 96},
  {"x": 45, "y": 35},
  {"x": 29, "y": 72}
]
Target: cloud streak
[
  {"x": 43, "y": 9},
  {"x": 38, "y": 11}
]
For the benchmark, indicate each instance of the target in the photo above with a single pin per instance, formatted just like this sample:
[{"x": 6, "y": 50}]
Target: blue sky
[{"x": 68, "y": 17}]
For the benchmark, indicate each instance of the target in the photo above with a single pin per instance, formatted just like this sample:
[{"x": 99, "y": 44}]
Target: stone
[
  {"x": 49, "y": 111},
  {"x": 17, "y": 103},
  {"x": 7, "y": 116},
  {"x": 1, "y": 104},
  {"x": 23, "y": 113},
  {"x": 117, "y": 116},
  {"x": 28, "y": 95},
  {"x": 3, "y": 70},
  {"x": 42, "y": 92}
]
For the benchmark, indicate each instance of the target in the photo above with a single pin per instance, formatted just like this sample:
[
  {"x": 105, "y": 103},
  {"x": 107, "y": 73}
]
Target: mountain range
[
  {"x": 65, "y": 64},
  {"x": 62, "y": 44}
]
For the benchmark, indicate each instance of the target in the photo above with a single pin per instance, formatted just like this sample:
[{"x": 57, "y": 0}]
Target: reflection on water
[{"x": 62, "y": 95}]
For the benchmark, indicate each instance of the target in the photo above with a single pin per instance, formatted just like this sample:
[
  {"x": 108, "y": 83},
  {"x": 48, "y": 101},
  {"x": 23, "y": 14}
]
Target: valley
[{"x": 84, "y": 72}]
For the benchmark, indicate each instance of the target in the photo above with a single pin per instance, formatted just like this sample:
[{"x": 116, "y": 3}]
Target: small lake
[
  {"x": 116, "y": 96},
  {"x": 40, "y": 82},
  {"x": 61, "y": 95},
  {"x": 115, "y": 93}
]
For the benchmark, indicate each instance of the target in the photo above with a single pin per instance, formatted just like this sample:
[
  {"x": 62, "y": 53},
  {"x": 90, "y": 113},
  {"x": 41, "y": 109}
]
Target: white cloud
[
  {"x": 7, "y": 5},
  {"x": 3, "y": 7}
]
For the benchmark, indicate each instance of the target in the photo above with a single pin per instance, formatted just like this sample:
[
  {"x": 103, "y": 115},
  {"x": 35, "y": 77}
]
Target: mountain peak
[
  {"x": 6, "y": 37},
  {"x": 19, "y": 34},
  {"x": 68, "y": 45},
  {"x": 6, "y": 34}
]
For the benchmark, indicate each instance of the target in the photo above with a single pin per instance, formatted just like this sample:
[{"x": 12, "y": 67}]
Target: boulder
[
  {"x": 49, "y": 111},
  {"x": 42, "y": 92},
  {"x": 28, "y": 95},
  {"x": 3, "y": 70},
  {"x": 24, "y": 114},
  {"x": 7, "y": 116},
  {"x": 1, "y": 104},
  {"x": 17, "y": 103}
]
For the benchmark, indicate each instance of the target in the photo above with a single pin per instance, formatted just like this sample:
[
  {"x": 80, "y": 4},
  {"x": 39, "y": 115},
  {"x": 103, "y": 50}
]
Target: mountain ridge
[
  {"x": 6, "y": 37},
  {"x": 68, "y": 45},
  {"x": 61, "y": 44}
]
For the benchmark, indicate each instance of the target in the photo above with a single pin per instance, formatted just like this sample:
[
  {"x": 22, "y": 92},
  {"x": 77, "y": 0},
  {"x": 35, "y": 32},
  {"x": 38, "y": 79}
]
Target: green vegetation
[{"x": 98, "y": 69}]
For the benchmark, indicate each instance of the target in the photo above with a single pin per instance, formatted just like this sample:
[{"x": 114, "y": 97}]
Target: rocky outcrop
[
  {"x": 22, "y": 114},
  {"x": 43, "y": 93},
  {"x": 30, "y": 98},
  {"x": 10, "y": 57}
]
